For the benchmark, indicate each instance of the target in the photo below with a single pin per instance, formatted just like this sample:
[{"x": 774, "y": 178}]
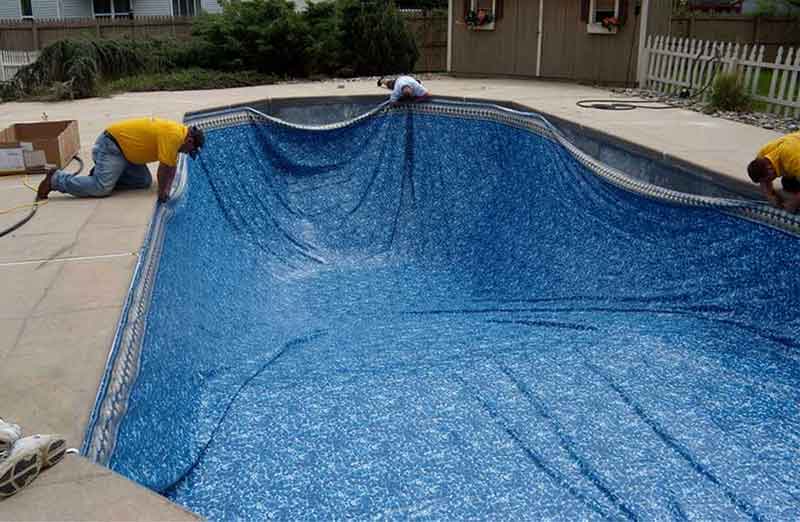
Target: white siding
[
  {"x": 10, "y": 9},
  {"x": 76, "y": 8},
  {"x": 45, "y": 8},
  {"x": 210, "y": 6},
  {"x": 152, "y": 7}
]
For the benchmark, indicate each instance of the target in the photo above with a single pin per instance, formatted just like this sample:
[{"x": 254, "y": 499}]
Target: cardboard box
[{"x": 26, "y": 147}]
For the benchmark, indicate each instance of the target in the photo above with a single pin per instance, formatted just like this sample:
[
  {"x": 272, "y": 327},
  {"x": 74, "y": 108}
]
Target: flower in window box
[{"x": 610, "y": 23}]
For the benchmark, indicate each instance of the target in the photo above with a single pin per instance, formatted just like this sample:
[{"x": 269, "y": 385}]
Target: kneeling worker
[
  {"x": 779, "y": 159},
  {"x": 404, "y": 88},
  {"x": 121, "y": 154}
]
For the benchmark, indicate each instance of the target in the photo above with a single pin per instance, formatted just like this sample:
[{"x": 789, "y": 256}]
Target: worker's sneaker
[
  {"x": 52, "y": 448},
  {"x": 45, "y": 187},
  {"x": 19, "y": 469},
  {"x": 29, "y": 456},
  {"x": 9, "y": 434}
]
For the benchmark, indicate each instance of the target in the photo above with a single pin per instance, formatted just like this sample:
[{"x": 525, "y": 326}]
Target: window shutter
[
  {"x": 499, "y": 9},
  {"x": 623, "y": 11},
  {"x": 466, "y": 8},
  {"x": 585, "y": 10}
]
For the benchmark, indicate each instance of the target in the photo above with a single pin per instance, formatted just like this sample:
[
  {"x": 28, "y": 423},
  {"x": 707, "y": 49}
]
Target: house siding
[
  {"x": 45, "y": 8},
  {"x": 152, "y": 7},
  {"x": 210, "y": 6},
  {"x": 76, "y": 9},
  {"x": 10, "y": 9}
]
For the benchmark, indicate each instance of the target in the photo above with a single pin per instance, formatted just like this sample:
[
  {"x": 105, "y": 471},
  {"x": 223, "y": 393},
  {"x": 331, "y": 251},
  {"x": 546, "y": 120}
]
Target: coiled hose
[
  {"x": 662, "y": 103},
  {"x": 33, "y": 206}
]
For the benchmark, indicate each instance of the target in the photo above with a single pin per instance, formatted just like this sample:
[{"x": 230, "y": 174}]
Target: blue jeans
[{"x": 111, "y": 170}]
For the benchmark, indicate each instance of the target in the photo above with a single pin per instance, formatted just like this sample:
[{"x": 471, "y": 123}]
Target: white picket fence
[
  {"x": 675, "y": 64},
  {"x": 13, "y": 61}
]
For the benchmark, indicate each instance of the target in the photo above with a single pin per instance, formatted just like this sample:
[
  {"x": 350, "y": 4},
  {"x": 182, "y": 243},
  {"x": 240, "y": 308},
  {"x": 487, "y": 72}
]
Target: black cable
[
  {"x": 35, "y": 206},
  {"x": 629, "y": 105},
  {"x": 20, "y": 222}
]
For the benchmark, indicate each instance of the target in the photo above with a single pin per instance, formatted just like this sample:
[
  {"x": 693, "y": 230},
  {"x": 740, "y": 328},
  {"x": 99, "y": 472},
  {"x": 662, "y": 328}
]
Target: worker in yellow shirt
[
  {"x": 121, "y": 154},
  {"x": 779, "y": 159}
]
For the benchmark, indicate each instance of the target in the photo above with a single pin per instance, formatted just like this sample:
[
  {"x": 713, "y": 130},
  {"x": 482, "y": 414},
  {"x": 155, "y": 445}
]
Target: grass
[
  {"x": 185, "y": 80},
  {"x": 765, "y": 79}
]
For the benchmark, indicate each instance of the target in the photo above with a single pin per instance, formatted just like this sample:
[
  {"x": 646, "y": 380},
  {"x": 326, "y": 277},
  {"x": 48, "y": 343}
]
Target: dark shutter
[
  {"x": 466, "y": 8},
  {"x": 623, "y": 11},
  {"x": 499, "y": 9},
  {"x": 585, "y": 10}
]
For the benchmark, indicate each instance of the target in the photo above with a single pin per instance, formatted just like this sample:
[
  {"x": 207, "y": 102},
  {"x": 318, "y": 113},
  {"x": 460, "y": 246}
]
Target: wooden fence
[
  {"x": 675, "y": 64},
  {"x": 769, "y": 31},
  {"x": 12, "y": 61},
  {"x": 430, "y": 34},
  {"x": 29, "y": 35}
]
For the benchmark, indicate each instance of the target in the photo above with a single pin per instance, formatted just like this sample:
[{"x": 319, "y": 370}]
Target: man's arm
[
  {"x": 771, "y": 194},
  {"x": 165, "y": 176}
]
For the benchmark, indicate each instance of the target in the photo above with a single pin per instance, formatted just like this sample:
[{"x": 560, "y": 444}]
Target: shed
[{"x": 581, "y": 40}]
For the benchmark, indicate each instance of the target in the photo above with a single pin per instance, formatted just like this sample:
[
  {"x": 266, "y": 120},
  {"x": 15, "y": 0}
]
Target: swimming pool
[{"x": 446, "y": 311}]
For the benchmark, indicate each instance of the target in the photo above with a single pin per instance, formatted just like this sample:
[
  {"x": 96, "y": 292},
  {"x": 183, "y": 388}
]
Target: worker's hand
[
  {"x": 163, "y": 198},
  {"x": 776, "y": 199},
  {"x": 791, "y": 205}
]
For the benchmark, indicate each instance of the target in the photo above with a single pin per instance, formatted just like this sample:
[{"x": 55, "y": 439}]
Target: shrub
[
  {"x": 76, "y": 67},
  {"x": 324, "y": 51},
  {"x": 265, "y": 35},
  {"x": 374, "y": 38},
  {"x": 728, "y": 94}
]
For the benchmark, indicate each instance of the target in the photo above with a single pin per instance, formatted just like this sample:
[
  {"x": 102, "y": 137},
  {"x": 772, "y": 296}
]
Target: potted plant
[{"x": 611, "y": 23}]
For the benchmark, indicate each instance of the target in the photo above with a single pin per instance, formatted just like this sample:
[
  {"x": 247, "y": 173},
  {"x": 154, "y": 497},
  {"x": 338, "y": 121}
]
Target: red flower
[{"x": 610, "y": 22}]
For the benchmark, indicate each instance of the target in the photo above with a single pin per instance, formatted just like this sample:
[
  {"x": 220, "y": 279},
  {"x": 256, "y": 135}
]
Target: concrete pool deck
[{"x": 64, "y": 276}]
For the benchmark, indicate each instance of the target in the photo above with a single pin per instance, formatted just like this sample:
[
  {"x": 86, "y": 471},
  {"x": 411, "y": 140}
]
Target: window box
[{"x": 603, "y": 16}]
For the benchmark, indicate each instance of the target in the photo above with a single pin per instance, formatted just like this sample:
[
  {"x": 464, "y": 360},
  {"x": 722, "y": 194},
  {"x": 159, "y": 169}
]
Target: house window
[
  {"x": 112, "y": 8},
  {"x": 481, "y": 15},
  {"x": 122, "y": 8},
  {"x": 604, "y": 16},
  {"x": 27, "y": 8},
  {"x": 185, "y": 7},
  {"x": 603, "y": 9}
]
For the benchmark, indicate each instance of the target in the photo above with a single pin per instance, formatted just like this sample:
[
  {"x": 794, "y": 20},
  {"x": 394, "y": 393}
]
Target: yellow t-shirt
[
  {"x": 784, "y": 154},
  {"x": 144, "y": 140}
]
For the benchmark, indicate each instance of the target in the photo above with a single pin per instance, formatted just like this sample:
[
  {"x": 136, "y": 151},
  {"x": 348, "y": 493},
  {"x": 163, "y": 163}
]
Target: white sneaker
[
  {"x": 9, "y": 434},
  {"x": 52, "y": 448},
  {"x": 19, "y": 469},
  {"x": 28, "y": 457}
]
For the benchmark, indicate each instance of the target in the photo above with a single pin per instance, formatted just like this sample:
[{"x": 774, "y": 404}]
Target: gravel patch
[{"x": 784, "y": 124}]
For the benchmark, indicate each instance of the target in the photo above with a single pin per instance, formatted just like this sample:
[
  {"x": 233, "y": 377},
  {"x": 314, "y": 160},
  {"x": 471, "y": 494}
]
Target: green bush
[
  {"x": 331, "y": 36},
  {"x": 74, "y": 68},
  {"x": 375, "y": 39},
  {"x": 324, "y": 51},
  {"x": 268, "y": 36},
  {"x": 728, "y": 94}
]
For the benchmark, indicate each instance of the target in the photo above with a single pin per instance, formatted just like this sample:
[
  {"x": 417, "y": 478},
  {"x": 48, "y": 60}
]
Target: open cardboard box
[{"x": 31, "y": 147}]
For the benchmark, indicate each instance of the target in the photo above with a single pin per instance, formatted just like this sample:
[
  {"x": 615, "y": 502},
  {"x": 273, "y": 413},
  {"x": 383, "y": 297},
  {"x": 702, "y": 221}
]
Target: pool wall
[{"x": 635, "y": 160}]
